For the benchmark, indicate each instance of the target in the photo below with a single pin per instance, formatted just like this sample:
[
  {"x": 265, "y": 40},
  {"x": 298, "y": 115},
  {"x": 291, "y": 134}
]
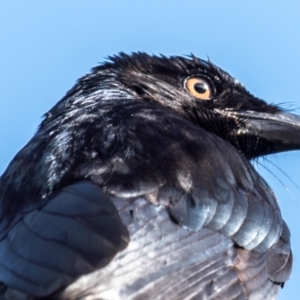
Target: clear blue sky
[{"x": 47, "y": 45}]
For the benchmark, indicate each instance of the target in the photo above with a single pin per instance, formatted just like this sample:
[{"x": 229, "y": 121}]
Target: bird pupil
[{"x": 200, "y": 88}]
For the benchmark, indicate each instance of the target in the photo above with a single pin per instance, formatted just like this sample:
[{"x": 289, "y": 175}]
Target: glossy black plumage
[{"x": 147, "y": 191}]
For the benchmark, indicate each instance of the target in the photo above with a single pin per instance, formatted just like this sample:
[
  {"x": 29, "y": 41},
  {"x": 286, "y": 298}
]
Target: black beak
[{"x": 280, "y": 130}]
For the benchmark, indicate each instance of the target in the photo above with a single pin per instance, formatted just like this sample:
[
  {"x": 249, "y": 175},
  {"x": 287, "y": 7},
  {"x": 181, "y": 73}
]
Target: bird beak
[{"x": 281, "y": 130}]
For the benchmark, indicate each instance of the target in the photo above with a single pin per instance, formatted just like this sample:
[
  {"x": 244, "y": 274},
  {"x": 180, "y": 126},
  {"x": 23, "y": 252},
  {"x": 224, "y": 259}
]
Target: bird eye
[{"x": 199, "y": 88}]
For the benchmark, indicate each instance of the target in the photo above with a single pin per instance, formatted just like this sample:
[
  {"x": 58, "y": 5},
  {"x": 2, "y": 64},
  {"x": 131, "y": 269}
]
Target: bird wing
[{"x": 76, "y": 232}]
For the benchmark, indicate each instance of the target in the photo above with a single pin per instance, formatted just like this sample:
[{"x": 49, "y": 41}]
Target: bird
[{"x": 139, "y": 184}]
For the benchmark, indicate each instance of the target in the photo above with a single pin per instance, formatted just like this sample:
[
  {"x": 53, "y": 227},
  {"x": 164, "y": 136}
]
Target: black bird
[{"x": 138, "y": 185}]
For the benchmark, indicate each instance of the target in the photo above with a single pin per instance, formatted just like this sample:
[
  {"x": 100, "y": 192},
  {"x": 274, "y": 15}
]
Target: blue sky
[{"x": 47, "y": 45}]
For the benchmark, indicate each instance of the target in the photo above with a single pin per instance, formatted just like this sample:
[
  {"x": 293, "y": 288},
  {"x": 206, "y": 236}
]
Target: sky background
[{"x": 47, "y": 45}]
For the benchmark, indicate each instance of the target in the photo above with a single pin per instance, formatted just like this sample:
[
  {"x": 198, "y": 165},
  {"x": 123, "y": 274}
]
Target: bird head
[{"x": 206, "y": 95}]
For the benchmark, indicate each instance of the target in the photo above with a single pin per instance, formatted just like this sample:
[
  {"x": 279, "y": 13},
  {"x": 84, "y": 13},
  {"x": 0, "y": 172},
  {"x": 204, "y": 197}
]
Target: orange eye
[{"x": 199, "y": 88}]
